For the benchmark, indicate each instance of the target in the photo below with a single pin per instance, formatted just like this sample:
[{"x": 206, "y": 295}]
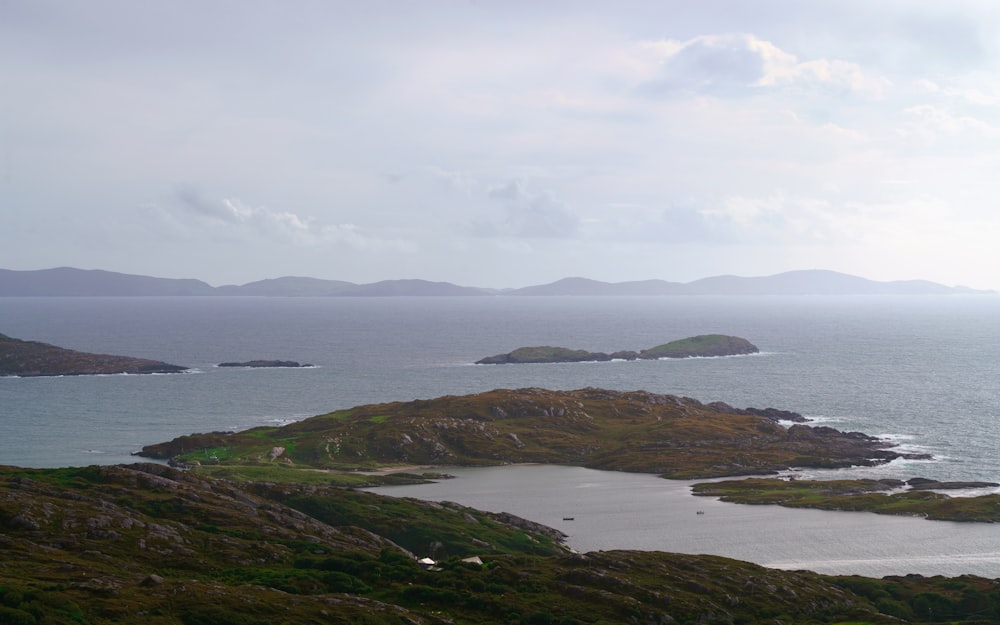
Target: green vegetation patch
[
  {"x": 701, "y": 345},
  {"x": 854, "y": 495},
  {"x": 547, "y": 353}
]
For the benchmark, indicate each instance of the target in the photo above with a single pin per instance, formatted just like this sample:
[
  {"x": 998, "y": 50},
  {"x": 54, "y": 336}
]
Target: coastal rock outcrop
[
  {"x": 703, "y": 345},
  {"x": 33, "y": 359},
  {"x": 263, "y": 364}
]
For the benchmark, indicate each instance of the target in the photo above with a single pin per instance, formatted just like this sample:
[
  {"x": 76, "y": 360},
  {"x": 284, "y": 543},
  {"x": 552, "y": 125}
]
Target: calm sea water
[
  {"x": 923, "y": 371},
  {"x": 611, "y": 510}
]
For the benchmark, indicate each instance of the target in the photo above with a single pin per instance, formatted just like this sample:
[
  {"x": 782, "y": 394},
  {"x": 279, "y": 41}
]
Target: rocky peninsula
[
  {"x": 33, "y": 359},
  {"x": 704, "y": 345},
  {"x": 677, "y": 437}
]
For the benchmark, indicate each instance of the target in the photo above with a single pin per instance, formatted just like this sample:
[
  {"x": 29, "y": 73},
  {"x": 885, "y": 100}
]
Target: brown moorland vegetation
[
  {"x": 676, "y": 437},
  {"x": 149, "y": 544}
]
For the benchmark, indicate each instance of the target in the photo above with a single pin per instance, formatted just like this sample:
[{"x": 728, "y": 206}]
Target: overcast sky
[{"x": 500, "y": 143}]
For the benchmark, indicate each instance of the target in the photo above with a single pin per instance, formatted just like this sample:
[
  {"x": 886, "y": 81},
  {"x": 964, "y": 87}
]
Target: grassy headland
[
  {"x": 33, "y": 358},
  {"x": 676, "y": 437}
]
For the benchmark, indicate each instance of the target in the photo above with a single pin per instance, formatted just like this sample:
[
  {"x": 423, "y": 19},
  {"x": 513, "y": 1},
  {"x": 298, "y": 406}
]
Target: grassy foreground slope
[
  {"x": 153, "y": 545},
  {"x": 677, "y": 437}
]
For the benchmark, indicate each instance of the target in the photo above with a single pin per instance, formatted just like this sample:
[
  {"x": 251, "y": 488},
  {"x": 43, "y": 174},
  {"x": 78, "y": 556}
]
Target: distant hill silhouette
[
  {"x": 804, "y": 282},
  {"x": 70, "y": 282},
  {"x": 67, "y": 281}
]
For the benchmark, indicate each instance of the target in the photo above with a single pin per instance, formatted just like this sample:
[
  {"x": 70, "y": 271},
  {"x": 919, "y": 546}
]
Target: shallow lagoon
[{"x": 612, "y": 510}]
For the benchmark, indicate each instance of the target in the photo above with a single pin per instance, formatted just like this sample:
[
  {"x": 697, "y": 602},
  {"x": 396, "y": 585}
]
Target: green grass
[{"x": 854, "y": 495}]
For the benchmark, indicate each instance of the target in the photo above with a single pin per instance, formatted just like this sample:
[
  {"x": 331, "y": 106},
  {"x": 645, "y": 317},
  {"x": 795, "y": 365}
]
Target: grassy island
[{"x": 705, "y": 345}]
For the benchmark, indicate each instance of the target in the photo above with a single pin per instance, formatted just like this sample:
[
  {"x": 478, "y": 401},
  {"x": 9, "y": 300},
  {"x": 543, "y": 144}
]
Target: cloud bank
[{"x": 501, "y": 144}]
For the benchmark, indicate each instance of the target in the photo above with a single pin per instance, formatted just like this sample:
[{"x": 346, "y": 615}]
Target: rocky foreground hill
[
  {"x": 149, "y": 544},
  {"x": 677, "y": 437},
  {"x": 33, "y": 358}
]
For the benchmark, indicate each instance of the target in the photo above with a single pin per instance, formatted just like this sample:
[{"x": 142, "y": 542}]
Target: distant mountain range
[{"x": 70, "y": 282}]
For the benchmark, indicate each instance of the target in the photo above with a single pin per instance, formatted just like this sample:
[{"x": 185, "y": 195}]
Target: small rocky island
[
  {"x": 703, "y": 345},
  {"x": 256, "y": 364},
  {"x": 34, "y": 359}
]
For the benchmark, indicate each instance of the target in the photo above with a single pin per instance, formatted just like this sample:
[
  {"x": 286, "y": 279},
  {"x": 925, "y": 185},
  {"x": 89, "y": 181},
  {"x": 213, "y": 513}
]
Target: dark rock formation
[
  {"x": 774, "y": 414},
  {"x": 263, "y": 363},
  {"x": 32, "y": 359},
  {"x": 705, "y": 345}
]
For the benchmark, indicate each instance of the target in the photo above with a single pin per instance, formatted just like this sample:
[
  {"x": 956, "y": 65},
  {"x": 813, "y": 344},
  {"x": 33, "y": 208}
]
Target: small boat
[
  {"x": 700, "y": 512},
  {"x": 567, "y": 518}
]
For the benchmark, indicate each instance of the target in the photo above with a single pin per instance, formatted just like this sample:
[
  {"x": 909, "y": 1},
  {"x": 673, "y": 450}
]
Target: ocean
[{"x": 922, "y": 371}]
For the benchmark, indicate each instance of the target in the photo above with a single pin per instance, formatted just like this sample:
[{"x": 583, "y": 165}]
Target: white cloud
[
  {"x": 345, "y": 136},
  {"x": 235, "y": 212},
  {"x": 524, "y": 213},
  {"x": 709, "y": 64},
  {"x": 777, "y": 217},
  {"x": 739, "y": 64},
  {"x": 971, "y": 95},
  {"x": 928, "y": 124},
  {"x": 232, "y": 218},
  {"x": 831, "y": 74}
]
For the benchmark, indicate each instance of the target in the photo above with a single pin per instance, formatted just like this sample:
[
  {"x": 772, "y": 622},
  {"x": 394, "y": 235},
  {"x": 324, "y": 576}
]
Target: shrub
[
  {"x": 216, "y": 615},
  {"x": 13, "y": 616}
]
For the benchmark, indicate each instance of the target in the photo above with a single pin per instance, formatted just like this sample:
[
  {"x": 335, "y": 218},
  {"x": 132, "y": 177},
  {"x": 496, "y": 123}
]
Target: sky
[{"x": 501, "y": 143}]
